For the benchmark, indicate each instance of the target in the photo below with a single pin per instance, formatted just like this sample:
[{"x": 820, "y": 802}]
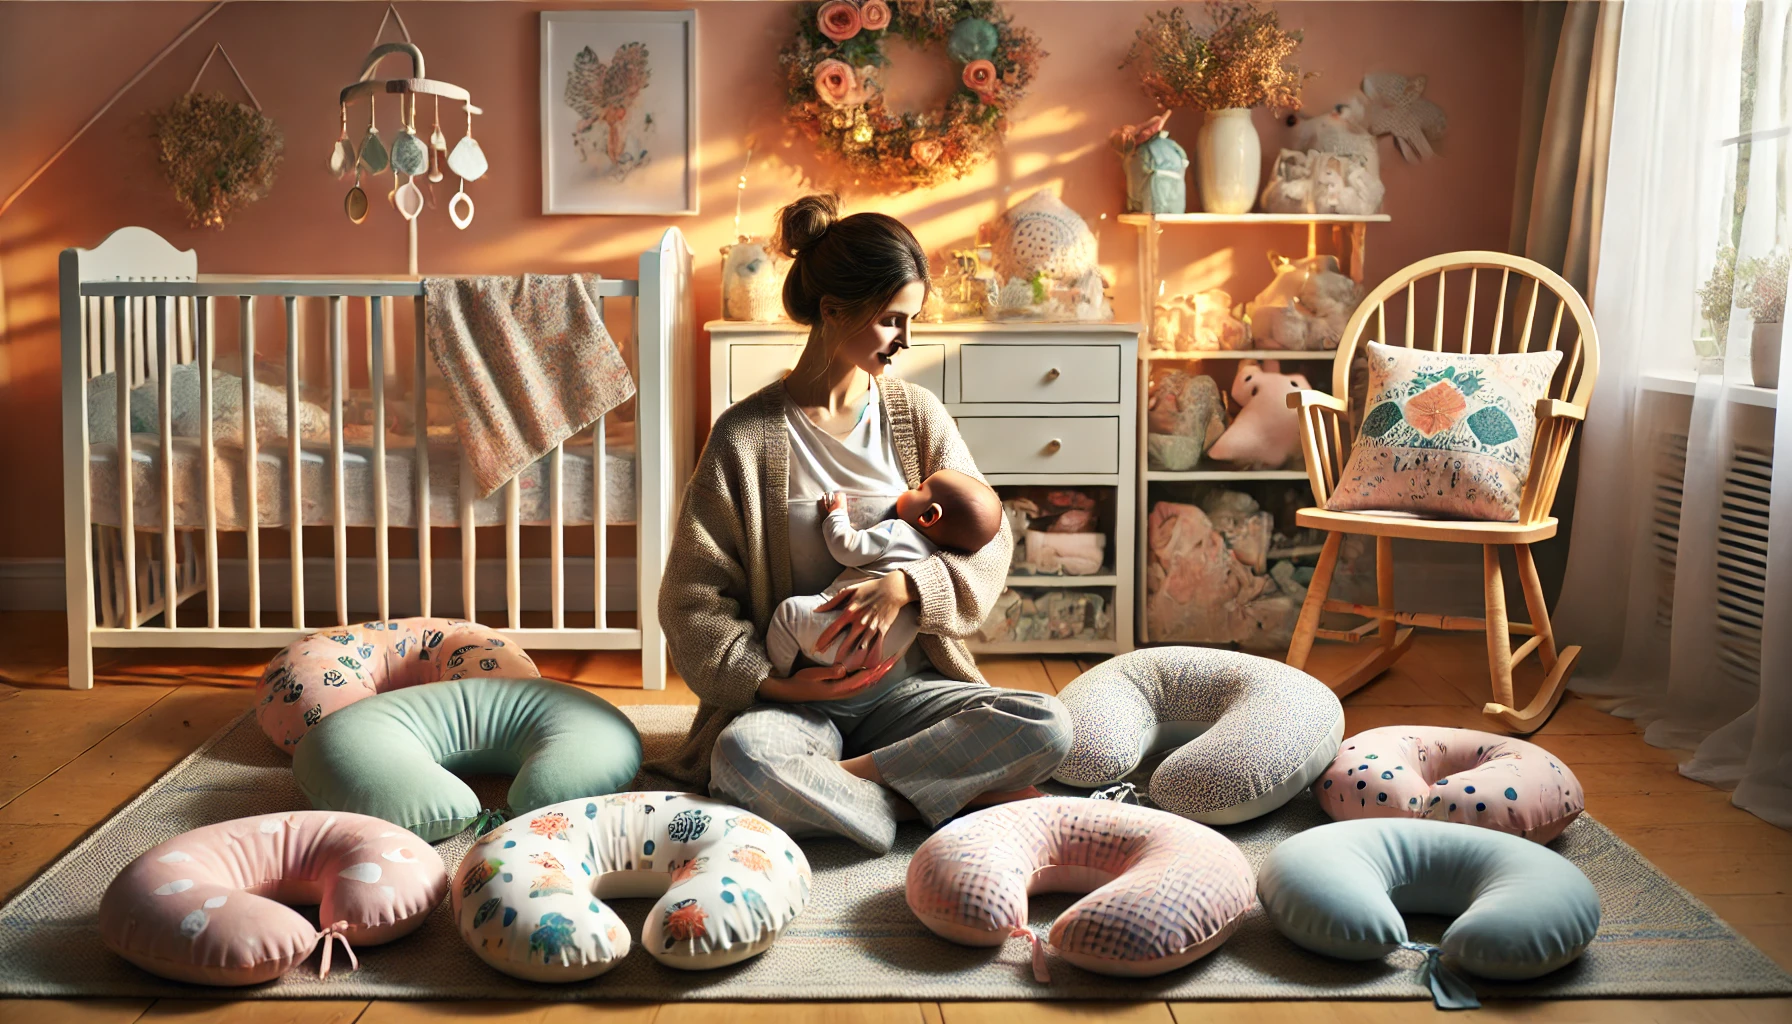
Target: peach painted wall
[{"x": 58, "y": 62}]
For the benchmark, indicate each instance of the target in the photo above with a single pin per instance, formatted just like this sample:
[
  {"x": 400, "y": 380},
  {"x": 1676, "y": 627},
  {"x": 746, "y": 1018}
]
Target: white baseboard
[{"x": 36, "y": 584}]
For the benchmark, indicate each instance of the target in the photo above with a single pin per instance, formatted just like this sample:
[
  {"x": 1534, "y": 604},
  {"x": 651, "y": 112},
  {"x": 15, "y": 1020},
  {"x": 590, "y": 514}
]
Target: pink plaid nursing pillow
[
  {"x": 1461, "y": 775},
  {"x": 1162, "y": 891},
  {"x": 329, "y": 670},
  {"x": 209, "y": 906}
]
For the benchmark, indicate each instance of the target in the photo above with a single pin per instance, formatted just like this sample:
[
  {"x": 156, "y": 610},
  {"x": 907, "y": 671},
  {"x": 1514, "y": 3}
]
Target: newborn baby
[{"x": 949, "y": 510}]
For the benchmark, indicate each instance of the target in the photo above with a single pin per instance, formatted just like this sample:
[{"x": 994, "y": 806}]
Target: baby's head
[{"x": 953, "y": 510}]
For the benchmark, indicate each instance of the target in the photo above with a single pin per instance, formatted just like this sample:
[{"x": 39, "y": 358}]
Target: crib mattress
[{"x": 273, "y": 484}]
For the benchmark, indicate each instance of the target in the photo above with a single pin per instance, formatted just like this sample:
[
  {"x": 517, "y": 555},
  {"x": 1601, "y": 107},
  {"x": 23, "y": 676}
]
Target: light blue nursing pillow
[{"x": 1521, "y": 910}]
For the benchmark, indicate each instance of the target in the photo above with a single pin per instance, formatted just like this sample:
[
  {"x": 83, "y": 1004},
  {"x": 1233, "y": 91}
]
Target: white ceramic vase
[
  {"x": 1764, "y": 354},
  {"x": 1228, "y": 161}
]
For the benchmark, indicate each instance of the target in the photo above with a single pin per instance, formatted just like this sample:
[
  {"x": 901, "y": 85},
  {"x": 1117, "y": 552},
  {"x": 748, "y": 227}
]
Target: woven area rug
[{"x": 857, "y": 939}]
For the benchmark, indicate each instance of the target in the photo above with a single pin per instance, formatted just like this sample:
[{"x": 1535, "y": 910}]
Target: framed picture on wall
[{"x": 619, "y": 112}]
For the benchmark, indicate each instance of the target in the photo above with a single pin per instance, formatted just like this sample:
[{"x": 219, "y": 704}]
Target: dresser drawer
[
  {"x": 1043, "y": 444},
  {"x": 752, "y": 366},
  {"x": 1039, "y": 373}
]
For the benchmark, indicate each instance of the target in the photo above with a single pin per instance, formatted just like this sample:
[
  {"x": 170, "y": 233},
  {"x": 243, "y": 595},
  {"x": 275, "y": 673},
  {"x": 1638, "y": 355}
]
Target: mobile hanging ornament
[{"x": 410, "y": 158}]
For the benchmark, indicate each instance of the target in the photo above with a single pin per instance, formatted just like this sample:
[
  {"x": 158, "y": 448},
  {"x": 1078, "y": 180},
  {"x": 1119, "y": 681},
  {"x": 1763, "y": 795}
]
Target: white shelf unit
[
  {"x": 1038, "y": 404},
  {"x": 1349, "y": 242}
]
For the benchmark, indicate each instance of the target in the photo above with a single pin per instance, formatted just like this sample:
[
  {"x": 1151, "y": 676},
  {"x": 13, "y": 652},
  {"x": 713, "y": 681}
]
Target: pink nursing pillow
[
  {"x": 329, "y": 670},
  {"x": 209, "y": 906},
  {"x": 1163, "y": 891},
  {"x": 1461, "y": 775}
]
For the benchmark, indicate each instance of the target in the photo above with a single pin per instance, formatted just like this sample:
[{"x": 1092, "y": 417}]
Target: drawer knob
[
  {"x": 1054, "y": 373},
  {"x": 1053, "y": 446}
]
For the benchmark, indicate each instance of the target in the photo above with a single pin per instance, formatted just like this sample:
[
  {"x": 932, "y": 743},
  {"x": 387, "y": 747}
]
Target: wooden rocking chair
[{"x": 1327, "y": 429}]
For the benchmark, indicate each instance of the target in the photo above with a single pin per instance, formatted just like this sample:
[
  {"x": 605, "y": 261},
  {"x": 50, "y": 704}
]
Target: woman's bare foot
[
  {"x": 865, "y": 767},
  {"x": 1003, "y": 796}
]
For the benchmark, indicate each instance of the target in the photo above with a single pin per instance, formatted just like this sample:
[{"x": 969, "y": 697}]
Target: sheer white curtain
[{"x": 1679, "y": 582}]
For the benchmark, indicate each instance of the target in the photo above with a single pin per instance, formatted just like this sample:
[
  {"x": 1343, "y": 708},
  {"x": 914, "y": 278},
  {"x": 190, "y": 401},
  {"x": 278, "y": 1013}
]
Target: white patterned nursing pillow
[
  {"x": 1247, "y": 733},
  {"x": 1162, "y": 892},
  {"x": 529, "y": 896}
]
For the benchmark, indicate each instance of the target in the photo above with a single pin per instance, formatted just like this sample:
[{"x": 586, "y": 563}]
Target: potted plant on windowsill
[
  {"x": 1240, "y": 61},
  {"x": 1761, "y": 290}
]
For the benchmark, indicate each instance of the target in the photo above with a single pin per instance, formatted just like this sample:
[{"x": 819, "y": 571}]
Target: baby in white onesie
[{"x": 949, "y": 510}]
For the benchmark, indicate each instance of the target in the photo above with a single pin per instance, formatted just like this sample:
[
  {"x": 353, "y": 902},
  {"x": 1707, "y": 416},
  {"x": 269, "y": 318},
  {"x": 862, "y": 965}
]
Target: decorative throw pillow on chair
[{"x": 1445, "y": 434}]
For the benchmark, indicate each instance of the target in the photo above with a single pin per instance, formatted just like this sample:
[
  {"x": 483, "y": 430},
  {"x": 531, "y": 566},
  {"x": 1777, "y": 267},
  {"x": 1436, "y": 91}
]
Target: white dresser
[{"x": 1039, "y": 405}]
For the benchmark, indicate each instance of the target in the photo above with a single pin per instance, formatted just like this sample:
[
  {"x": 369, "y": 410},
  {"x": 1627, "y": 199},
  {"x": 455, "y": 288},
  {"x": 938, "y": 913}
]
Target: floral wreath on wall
[{"x": 833, "y": 71}]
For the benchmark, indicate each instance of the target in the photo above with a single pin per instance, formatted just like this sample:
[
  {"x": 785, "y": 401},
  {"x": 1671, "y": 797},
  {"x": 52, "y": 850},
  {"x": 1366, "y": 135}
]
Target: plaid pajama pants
[{"x": 937, "y": 742}]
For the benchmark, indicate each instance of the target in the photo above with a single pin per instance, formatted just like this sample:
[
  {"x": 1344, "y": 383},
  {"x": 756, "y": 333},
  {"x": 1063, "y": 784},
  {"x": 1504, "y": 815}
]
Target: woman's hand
[
  {"x": 828, "y": 682},
  {"x": 870, "y": 609}
]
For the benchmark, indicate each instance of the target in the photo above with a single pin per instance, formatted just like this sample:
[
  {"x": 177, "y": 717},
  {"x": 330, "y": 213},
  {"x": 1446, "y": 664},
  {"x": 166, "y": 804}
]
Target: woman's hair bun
[{"x": 804, "y": 222}]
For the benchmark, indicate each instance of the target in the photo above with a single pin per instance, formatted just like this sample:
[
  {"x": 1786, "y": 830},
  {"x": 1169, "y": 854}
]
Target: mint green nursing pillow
[
  {"x": 397, "y": 755},
  {"x": 1521, "y": 910}
]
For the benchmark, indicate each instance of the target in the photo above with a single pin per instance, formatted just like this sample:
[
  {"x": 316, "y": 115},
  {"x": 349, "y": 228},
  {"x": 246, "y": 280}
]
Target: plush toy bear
[
  {"x": 1266, "y": 433},
  {"x": 1332, "y": 165}
]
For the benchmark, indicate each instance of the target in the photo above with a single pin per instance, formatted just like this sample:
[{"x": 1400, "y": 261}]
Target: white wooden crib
[{"x": 135, "y": 304}]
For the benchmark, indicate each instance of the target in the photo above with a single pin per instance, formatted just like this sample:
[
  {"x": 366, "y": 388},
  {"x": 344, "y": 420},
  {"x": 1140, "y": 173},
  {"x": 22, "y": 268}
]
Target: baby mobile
[
  {"x": 833, "y": 72},
  {"x": 408, "y": 157}
]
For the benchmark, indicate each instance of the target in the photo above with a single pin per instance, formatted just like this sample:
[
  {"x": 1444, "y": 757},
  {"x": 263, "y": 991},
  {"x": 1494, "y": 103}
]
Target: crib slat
[
  {"x": 599, "y": 523},
  {"x": 513, "y": 552},
  {"x": 376, "y": 333},
  {"x": 557, "y": 536},
  {"x": 165, "y": 356},
  {"x": 294, "y": 469},
  {"x": 127, "y": 502},
  {"x": 469, "y": 542},
  {"x": 420, "y": 437},
  {"x": 205, "y": 338},
  {"x": 251, "y": 463},
  {"x": 338, "y": 486}
]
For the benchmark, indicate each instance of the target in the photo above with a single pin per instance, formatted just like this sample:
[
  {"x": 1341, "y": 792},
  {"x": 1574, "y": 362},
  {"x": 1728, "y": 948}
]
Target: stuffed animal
[
  {"x": 1305, "y": 307},
  {"x": 1266, "y": 433},
  {"x": 1395, "y": 105},
  {"x": 752, "y": 281},
  {"x": 1331, "y": 167}
]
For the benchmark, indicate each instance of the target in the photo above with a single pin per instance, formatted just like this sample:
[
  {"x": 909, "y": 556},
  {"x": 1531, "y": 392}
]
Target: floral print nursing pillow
[{"x": 1446, "y": 434}]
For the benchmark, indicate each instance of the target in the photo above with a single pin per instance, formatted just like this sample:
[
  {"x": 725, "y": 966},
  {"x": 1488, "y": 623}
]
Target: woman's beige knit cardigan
[{"x": 729, "y": 566}]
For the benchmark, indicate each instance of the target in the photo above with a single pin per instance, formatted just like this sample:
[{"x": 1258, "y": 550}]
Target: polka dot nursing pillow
[
  {"x": 1246, "y": 733},
  {"x": 210, "y": 906},
  {"x": 1162, "y": 892},
  {"x": 529, "y": 896},
  {"x": 1460, "y": 775},
  {"x": 327, "y": 671}
]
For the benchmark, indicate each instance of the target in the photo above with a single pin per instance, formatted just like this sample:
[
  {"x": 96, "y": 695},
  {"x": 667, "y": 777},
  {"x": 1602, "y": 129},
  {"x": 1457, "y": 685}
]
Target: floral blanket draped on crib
[{"x": 528, "y": 363}]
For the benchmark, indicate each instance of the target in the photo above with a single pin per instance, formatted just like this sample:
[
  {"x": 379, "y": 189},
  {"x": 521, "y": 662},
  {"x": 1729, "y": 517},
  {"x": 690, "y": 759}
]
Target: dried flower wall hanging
[
  {"x": 218, "y": 154},
  {"x": 834, "y": 87}
]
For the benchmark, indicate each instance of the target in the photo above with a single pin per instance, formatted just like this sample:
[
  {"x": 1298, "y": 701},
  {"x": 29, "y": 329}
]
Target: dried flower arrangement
[
  {"x": 1240, "y": 60},
  {"x": 1761, "y": 286},
  {"x": 1714, "y": 302},
  {"x": 218, "y": 154},
  {"x": 833, "y": 93}
]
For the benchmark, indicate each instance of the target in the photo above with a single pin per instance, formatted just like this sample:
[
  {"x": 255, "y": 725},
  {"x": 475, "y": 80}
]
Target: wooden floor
[{"x": 69, "y": 758}]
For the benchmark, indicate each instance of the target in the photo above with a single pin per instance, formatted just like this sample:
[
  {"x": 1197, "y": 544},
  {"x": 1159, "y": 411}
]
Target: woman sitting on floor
[{"x": 839, "y": 750}]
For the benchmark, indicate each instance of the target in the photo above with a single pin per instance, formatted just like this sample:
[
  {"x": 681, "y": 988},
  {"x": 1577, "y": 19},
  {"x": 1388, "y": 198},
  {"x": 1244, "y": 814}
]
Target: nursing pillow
[
  {"x": 1521, "y": 910},
  {"x": 210, "y": 906},
  {"x": 529, "y": 895},
  {"x": 1461, "y": 775},
  {"x": 1162, "y": 892},
  {"x": 326, "y": 672},
  {"x": 1247, "y": 733},
  {"x": 396, "y": 755}
]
